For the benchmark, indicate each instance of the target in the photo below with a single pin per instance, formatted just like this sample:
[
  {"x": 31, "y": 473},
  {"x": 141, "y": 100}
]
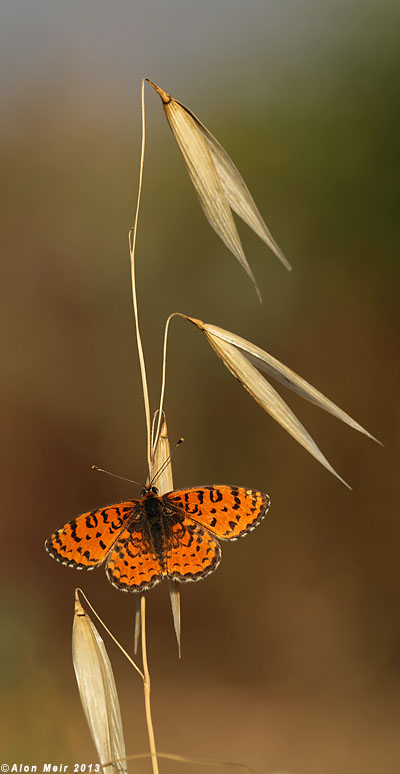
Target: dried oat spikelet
[
  {"x": 97, "y": 691},
  {"x": 236, "y": 354},
  {"x": 266, "y": 362},
  {"x": 165, "y": 484},
  {"x": 160, "y": 453},
  {"x": 217, "y": 182}
]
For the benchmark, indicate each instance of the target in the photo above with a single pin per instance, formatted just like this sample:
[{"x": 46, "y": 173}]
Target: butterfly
[{"x": 174, "y": 535}]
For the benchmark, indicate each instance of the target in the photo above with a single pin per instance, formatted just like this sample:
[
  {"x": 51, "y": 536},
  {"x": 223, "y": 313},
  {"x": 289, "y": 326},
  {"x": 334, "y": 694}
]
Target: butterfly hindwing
[
  {"x": 85, "y": 541},
  {"x": 192, "y": 552},
  {"x": 229, "y": 512},
  {"x": 134, "y": 564}
]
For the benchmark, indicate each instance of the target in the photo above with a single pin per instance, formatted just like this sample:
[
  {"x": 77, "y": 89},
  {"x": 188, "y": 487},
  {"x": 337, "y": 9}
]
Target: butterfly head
[{"x": 149, "y": 490}]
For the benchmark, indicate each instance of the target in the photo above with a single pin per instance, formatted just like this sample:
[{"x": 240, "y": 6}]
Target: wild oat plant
[{"x": 174, "y": 534}]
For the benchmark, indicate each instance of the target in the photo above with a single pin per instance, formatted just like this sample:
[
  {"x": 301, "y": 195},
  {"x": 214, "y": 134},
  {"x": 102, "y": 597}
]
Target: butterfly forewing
[
  {"x": 229, "y": 512},
  {"x": 84, "y": 542}
]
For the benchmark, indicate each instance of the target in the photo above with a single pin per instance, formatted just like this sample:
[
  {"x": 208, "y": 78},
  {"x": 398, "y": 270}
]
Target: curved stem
[
  {"x": 132, "y": 247},
  {"x": 122, "y": 649},
  {"x": 163, "y": 379},
  {"x": 147, "y": 687}
]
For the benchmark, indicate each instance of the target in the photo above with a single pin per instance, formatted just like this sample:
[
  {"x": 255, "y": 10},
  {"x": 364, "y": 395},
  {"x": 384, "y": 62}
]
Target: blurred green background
[{"x": 291, "y": 649}]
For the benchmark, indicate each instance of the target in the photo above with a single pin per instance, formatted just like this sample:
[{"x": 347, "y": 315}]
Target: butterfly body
[{"x": 173, "y": 535}]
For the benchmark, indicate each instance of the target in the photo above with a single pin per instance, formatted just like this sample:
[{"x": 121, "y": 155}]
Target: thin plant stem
[
  {"x": 163, "y": 378},
  {"x": 132, "y": 248},
  {"x": 185, "y": 759},
  {"x": 147, "y": 688},
  {"x": 122, "y": 649}
]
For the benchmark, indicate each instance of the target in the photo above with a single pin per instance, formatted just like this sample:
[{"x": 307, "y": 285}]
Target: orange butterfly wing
[
  {"x": 85, "y": 541},
  {"x": 188, "y": 553},
  {"x": 192, "y": 551},
  {"x": 181, "y": 543},
  {"x": 134, "y": 563},
  {"x": 229, "y": 512}
]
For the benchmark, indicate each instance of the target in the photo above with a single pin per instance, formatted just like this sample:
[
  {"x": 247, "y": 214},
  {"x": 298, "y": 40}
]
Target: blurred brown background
[{"x": 291, "y": 650}]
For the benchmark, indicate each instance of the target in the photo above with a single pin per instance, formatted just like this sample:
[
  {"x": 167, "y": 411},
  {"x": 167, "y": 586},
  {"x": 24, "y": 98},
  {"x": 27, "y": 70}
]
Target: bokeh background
[{"x": 291, "y": 650}]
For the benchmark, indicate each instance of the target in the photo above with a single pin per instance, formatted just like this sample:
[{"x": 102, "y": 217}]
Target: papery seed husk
[
  {"x": 97, "y": 691},
  {"x": 236, "y": 191},
  {"x": 266, "y": 362},
  {"x": 265, "y": 395},
  {"x": 165, "y": 484},
  {"x": 161, "y": 453},
  {"x": 203, "y": 174}
]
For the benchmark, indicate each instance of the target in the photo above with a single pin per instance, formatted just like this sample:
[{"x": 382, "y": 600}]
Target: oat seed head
[
  {"x": 97, "y": 690},
  {"x": 217, "y": 182}
]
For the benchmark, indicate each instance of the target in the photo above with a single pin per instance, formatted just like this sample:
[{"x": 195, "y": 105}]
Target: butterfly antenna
[
  {"x": 114, "y": 475},
  {"x": 166, "y": 462}
]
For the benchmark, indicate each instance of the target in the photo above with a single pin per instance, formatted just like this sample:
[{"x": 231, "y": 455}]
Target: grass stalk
[
  {"x": 106, "y": 629},
  {"x": 147, "y": 688},
  {"x": 163, "y": 376},
  {"x": 132, "y": 249}
]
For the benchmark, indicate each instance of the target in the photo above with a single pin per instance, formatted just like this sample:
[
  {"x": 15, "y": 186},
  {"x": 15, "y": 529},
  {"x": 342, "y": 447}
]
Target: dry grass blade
[
  {"x": 285, "y": 375},
  {"x": 199, "y": 162},
  {"x": 97, "y": 691},
  {"x": 263, "y": 393},
  {"x": 165, "y": 484}
]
